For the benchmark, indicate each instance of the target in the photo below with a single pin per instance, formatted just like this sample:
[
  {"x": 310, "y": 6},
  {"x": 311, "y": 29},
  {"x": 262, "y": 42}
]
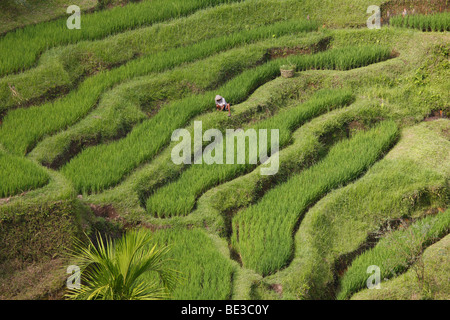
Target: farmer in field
[{"x": 221, "y": 104}]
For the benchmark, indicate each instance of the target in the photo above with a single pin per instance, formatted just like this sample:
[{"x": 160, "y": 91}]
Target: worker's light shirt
[{"x": 221, "y": 102}]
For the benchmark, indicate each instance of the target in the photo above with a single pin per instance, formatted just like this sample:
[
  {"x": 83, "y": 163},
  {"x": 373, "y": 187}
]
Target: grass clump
[
  {"x": 114, "y": 269},
  {"x": 206, "y": 274},
  {"x": 18, "y": 175}
]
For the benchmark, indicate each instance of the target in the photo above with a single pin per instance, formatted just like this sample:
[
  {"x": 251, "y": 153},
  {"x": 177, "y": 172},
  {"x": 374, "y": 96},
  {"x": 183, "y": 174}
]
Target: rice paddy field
[{"x": 360, "y": 116}]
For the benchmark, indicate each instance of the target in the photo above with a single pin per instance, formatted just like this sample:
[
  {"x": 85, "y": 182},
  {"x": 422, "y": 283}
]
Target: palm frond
[{"x": 112, "y": 270}]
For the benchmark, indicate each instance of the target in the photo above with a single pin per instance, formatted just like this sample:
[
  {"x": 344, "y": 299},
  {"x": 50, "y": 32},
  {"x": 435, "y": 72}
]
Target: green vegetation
[
  {"x": 434, "y": 22},
  {"x": 404, "y": 183},
  {"x": 21, "y": 47},
  {"x": 309, "y": 143},
  {"x": 343, "y": 58},
  {"x": 86, "y": 119},
  {"x": 114, "y": 270},
  {"x": 262, "y": 232},
  {"x": 395, "y": 252},
  {"x": 61, "y": 68},
  {"x": 102, "y": 166},
  {"x": 19, "y": 175},
  {"x": 178, "y": 198},
  {"x": 435, "y": 272},
  {"x": 24, "y": 46},
  {"x": 205, "y": 272},
  {"x": 267, "y": 99},
  {"x": 31, "y": 232},
  {"x": 135, "y": 100},
  {"x": 22, "y": 128}
]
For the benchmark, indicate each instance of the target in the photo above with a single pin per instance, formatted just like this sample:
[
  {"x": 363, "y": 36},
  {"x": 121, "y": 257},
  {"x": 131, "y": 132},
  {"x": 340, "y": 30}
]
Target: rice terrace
[{"x": 224, "y": 150}]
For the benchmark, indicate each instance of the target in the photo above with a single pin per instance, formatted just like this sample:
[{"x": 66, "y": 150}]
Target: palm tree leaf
[{"x": 113, "y": 269}]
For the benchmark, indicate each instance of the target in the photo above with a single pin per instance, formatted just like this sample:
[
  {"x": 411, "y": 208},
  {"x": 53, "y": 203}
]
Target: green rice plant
[
  {"x": 262, "y": 233},
  {"x": 103, "y": 166},
  {"x": 178, "y": 198},
  {"x": 22, "y": 128},
  {"x": 434, "y": 270},
  {"x": 133, "y": 101},
  {"x": 21, "y": 89},
  {"x": 411, "y": 178},
  {"x": 189, "y": 30},
  {"x": 394, "y": 253},
  {"x": 434, "y": 22},
  {"x": 60, "y": 68},
  {"x": 20, "y": 48},
  {"x": 341, "y": 59},
  {"x": 206, "y": 273},
  {"x": 136, "y": 188},
  {"x": 18, "y": 174},
  {"x": 146, "y": 139}
]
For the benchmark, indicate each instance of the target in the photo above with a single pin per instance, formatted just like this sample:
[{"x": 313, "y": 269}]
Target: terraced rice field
[
  {"x": 87, "y": 119},
  {"x": 436, "y": 22}
]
